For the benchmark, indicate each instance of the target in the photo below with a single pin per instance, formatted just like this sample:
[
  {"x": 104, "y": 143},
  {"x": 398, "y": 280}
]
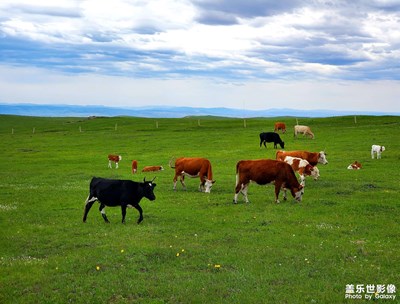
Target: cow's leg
[
  {"x": 244, "y": 192},
  {"x": 175, "y": 181},
  {"x": 241, "y": 187},
  {"x": 237, "y": 189},
  {"x": 103, "y": 213},
  {"x": 109, "y": 164},
  {"x": 202, "y": 187},
  {"x": 277, "y": 190},
  {"x": 88, "y": 204},
  {"x": 378, "y": 155},
  {"x": 123, "y": 211},
  {"x": 284, "y": 194},
  {"x": 182, "y": 180},
  {"x": 140, "y": 213},
  {"x": 116, "y": 165}
]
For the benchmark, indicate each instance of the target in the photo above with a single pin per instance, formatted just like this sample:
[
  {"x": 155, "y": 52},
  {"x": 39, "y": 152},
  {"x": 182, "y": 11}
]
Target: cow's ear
[{"x": 213, "y": 181}]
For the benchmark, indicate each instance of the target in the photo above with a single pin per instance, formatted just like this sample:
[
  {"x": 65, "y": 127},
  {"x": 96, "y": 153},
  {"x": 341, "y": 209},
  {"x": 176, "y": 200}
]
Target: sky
[{"x": 259, "y": 54}]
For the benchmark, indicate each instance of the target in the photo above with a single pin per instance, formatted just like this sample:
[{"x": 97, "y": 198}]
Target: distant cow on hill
[
  {"x": 113, "y": 158},
  {"x": 271, "y": 137},
  {"x": 134, "y": 166},
  {"x": 193, "y": 167},
  {"x": 115, "y": 192},
  {"x": 265, "y": 171},
  {"x": 305, "y": 130},
  {"x": 152, "y": 168},
  {"x": 280, "y": 126}
]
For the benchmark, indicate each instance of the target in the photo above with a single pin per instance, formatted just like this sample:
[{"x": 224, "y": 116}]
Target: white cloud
[
  {"x": 182, "y": 51},
  {"x": 40, "y": 86}
]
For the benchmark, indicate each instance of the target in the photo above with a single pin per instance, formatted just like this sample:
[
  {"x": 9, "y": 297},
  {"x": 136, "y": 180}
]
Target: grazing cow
[
  {"x": 280, "y": 126},
  {"x": 271, "y": 137},
  {"x": 134, "y": 166},
  {"x": 303, "y": 167},
  {"x": 378, "y": 150},
  {"x": 193, "y": 167},
  {"x": 305, "y": 130},
  {"x": 265, "y": 171},
  {"x": 113, "y": 192},
  {"x": 152, "y": 168},
  {"x": 355, "y": 166},
  {"x": 113, "y": 158},
  {"x": 312, "y": 157}
]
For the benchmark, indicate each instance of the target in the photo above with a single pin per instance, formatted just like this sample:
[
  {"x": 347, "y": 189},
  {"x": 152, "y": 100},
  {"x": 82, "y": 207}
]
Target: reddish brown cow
[
  {"x": 113, "y": 158},
  {"x": 134, "y": 166},
  {"x": 312, "y": 157},
  {"x": 265, "y": 171},
  {"x": 193, "y": 167},
  {"x": 280, "y": 126},
  {"x": 152, "y": 168},
  {"x": 303, "y": 167}
]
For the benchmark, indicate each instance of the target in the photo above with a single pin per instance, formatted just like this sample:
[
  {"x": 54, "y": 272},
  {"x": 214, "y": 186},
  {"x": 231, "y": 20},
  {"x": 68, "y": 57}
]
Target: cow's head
[
  {"x": 148, "y": 187},
  {"x": 208, "y": 185},
  {"x": 282, "y": 144},
  {"x": 298, "y": 193},
  {"x": 315, "y": 173},
  {"x": 322, "y": 158}
]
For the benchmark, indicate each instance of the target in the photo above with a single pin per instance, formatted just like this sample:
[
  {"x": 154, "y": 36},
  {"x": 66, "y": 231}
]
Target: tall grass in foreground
[{"x": 193, "y": 247}]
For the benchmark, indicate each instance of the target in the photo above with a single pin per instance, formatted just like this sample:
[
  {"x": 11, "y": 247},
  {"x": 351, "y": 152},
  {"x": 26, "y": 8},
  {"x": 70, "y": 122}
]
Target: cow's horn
[
  {"x": 153, "y": 179},
  {"x": 144, "y": 179}
]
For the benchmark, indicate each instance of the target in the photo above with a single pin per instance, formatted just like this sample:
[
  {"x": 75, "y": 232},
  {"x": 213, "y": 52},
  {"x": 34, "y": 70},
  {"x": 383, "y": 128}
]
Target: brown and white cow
[
  {"x": 113, "y": 158},
  {"x": 355, "y": 166},
  {"x": 303, "y": 167},
  {"x": 312, "y": 157},
  {"x": 134, "y": 166},
  {"x": 152, "y": 168},
  {"x": 265, "y": 171},
  {"x": 305, "y": 130},
  {"x": 280, "y": 126},
  {"x": 193, "y": 167}
]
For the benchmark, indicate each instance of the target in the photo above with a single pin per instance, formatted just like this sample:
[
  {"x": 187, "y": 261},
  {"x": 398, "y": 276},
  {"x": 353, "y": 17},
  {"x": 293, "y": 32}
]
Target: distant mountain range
[{"x": 165, "y": 112}]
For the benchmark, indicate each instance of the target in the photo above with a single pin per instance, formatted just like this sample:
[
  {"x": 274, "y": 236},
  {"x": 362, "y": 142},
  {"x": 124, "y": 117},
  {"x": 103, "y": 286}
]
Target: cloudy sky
[{"x": 258, "y": 54}]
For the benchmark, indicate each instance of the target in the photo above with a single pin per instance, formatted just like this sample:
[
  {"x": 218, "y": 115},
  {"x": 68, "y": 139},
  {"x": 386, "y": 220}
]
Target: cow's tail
[
  {"x": 237, "y": 173},
  {"x": 209, "y": 172},
  {"x": 170, "y": 162}
]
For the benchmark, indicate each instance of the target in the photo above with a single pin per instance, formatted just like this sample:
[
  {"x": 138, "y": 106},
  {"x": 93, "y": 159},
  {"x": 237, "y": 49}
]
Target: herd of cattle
[{"x": 280, "y": 172}]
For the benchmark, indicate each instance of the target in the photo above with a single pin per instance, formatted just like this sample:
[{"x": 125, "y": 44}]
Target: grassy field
[{"x": 194, "y": 247}]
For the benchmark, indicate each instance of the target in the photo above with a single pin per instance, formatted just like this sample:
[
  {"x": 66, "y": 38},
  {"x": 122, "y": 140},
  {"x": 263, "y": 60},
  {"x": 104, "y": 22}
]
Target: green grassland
[{"x": 194, "y": 247}]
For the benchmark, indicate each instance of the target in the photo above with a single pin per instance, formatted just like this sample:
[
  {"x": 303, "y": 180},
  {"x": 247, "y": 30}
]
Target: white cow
[
  {"x": 305, "y": 130},
  {"x": 378, "y": 150}
]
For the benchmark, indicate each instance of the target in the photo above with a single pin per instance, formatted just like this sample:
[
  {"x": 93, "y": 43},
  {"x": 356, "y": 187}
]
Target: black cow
[
  {"x": 114, "y": 192},
  {"x": 271, "y": 137}
]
